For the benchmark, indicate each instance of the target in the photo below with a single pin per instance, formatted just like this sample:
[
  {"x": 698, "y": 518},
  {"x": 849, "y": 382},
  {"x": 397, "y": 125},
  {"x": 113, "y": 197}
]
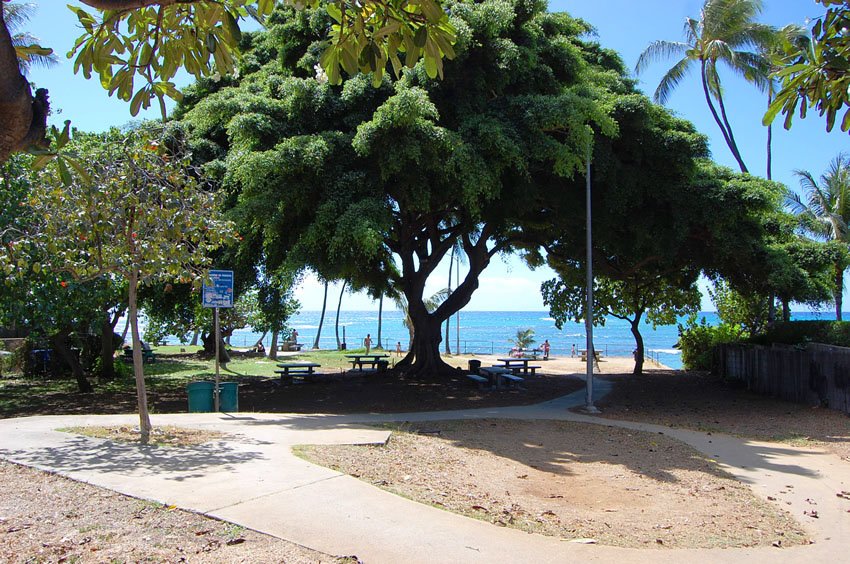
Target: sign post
[{"x": 218, "y": 294}]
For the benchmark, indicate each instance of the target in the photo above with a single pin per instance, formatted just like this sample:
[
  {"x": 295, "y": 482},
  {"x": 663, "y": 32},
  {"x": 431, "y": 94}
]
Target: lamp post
[{"x": 588, "y": 317}]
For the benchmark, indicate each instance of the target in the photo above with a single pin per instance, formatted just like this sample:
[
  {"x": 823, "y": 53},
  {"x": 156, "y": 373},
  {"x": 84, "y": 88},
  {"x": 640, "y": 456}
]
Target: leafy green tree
[
  {"x": 825, "y": 212},
  {"x": 143, "y": 218},
  {"x": 379, "y": 184},
  {"x": 128, "y": 42},
  {"x": 813, "y": 74},
  {"x": 726, "y": 32},
  {"x": 275, "y": 305}
]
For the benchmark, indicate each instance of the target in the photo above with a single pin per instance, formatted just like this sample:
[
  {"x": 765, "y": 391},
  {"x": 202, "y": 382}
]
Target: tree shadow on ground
[{"x": 78, "y": 453}]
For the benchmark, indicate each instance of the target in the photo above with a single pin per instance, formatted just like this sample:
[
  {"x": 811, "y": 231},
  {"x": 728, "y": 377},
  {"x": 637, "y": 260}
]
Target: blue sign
[{"x": 220, "y": 293}]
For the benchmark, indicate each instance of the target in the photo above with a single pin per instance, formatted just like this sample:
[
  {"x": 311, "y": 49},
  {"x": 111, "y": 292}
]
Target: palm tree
[
  {"x": 524, "y": 337},
  {"x": 336, "y": 325},
  {"x": 826, "y": 212},
  {"x": 26, "y": 45},
  {"x": 723, "y": 32}
]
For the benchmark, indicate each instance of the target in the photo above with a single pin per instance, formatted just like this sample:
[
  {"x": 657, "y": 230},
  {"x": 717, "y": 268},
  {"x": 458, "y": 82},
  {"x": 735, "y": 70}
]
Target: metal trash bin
[
  {"x": 228, "y": 397},
  {"x": 474, "y": 366},
  {"x": 200, "y": 396}
]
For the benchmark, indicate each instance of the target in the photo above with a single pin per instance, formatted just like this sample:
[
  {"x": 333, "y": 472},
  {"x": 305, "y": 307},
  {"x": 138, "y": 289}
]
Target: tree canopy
[{"x": 370, "y": 184}]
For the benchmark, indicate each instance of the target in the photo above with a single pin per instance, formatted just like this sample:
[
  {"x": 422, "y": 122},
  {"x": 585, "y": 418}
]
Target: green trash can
[
  {"x": 200, "y": 397},
  {"x": 228, "y": 397}
]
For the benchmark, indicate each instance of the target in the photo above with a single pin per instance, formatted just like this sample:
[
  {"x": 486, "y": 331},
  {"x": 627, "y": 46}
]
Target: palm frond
[
  {"x": 659, "y": 50},
  {"x": 671, "y": 80}
]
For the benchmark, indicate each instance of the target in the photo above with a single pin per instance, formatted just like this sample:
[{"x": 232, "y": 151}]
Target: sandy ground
[
  {"x": 545, "y": 477},
  {"x": 560, "y": 364},
  {"x": 47, "y": 518}
]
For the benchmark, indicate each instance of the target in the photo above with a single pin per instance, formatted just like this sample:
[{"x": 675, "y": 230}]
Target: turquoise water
[{"x": 490, "y": 332}]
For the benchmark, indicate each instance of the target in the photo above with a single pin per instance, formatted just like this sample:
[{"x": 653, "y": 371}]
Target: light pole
[{"x": 588, "y": 317}]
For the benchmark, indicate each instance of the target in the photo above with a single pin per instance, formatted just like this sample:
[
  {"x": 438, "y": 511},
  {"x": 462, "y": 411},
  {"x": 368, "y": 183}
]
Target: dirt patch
[
  {"x": 165, "y": 436},
  {"x": 47, "y": 518},
  {"x": 619, "y": 487},
  {"x": 700, "y": 401}
]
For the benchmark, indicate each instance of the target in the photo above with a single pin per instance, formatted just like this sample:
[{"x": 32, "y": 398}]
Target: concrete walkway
[{"x": 257, "y": 482}]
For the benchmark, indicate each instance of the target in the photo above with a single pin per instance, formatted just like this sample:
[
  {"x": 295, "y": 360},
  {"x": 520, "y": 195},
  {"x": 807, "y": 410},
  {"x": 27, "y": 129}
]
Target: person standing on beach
[
  {"x": 546, "y": 348},
  {"x": 367, "y": 342},
  {"x": 573, "y": 351},
  {"x": 294, "y": 336},
  {"x": 398, "y": 348}
]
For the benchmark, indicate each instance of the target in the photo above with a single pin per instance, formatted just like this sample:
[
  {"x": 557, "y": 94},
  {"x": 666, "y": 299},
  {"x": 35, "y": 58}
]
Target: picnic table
[
  {"x": 584, "y": 355},
  {"x": 358, "y": 360},
  {"x": 498, "y": 374},
  {"x": 290, "y": 369},
  {"x": 517, "y": 365}
]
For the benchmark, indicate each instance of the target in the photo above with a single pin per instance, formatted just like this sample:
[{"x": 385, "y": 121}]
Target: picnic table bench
[
  {"x": 499, "y": 373},
  {"x": 583, "y": 352},
  {"x": 147, "y": 355},
  {"x": 291, "y": 369}
]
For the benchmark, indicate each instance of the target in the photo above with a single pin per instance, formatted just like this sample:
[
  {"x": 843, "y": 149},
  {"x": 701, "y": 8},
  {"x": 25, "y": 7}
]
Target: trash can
[
  {"x": 200, "y": 396},
  {"x": 383, "y": 365},
  {"x": 228, "y": 397},
  {"x": 474, "y": 365}
]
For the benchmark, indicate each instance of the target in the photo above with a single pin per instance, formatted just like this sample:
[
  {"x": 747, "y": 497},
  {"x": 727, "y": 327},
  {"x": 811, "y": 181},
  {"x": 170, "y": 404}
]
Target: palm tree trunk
[
  {"x": 732, "y": 144},
  {"x": 380, "y": 319},
  {"x": 322, "y": 317},
  {"x": 839, "y": 291},
  {"x": 449, "y": 319},
  {"x": 339, "y": 307},
  {"x": 770, "y": 134},
  {"x": 726, "y": 134}
]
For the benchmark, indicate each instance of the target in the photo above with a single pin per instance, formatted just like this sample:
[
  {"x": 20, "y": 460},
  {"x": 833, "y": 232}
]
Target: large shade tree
[{"x": 381, "y": 183}]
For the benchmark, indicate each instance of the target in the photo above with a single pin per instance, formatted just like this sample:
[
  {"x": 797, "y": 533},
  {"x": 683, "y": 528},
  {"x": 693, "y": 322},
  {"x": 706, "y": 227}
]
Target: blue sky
[{"x": 627, "y": 26}]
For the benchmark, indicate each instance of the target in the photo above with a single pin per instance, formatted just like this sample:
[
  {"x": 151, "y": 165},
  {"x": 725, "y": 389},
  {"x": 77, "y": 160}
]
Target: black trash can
[
  {"x": 474, "y": 365},
  {"x": 383, "y": 365}
]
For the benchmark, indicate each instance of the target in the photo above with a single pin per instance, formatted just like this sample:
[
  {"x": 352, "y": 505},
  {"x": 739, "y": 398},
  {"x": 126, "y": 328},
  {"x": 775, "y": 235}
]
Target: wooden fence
[{"x": 814, "y": 374}]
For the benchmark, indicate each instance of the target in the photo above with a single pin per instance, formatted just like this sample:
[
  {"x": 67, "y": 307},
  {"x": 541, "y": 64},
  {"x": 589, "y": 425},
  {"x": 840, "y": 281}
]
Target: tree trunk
[
  {"x": 321, "y": 317},
  {"x": 107, "y": 348},
  {"x": 380, "y": 320},
  {"x": 63, "y": 349},
  {"x": 839, "y": 291},
  {"x": 208, "y": 340},
  {"x": 639, "y": 348},
  {"x": 771, "y": 309},
  {"x": 449, "y": 318},
  {"x": 338, "y": 307},
  {"x": 273, "y": 348},
  {"x": 23, "y": 116},
  {"x": 195, "y": 335},
  {"x": 260, "y": 340},
  {"x": 138, "y": 367},
  {"x": 786, "y": 310},
  {"x": 770, "y": 133},
  {"x": 424, "y": 353},
  {"x": 726, "y": 134}
]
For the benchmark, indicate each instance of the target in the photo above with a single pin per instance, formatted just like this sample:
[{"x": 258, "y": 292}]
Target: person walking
[
  {"x": 573, "y": 351},
  {"x": 367, "y": 342},
  {"x": 546, "y": 348},
  {"x": 398, "y": 348}
]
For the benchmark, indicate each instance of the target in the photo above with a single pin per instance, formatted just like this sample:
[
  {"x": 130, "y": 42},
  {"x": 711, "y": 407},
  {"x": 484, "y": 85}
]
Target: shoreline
[{"x": 563, "y": 365}]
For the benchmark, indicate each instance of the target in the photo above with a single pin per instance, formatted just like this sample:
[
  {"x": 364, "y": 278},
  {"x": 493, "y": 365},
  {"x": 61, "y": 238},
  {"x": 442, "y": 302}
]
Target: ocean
[{"x": 490, "y": 332}]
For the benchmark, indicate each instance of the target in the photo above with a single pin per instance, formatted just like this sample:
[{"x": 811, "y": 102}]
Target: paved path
[{"x": 257, "y": 482}]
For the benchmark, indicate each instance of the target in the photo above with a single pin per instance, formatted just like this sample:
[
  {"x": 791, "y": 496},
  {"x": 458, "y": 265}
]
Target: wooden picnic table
[
  {"x": 584, "y": 355},
  {"x": 517, "y": 364},
  {"x": 290, "y": 369},
  {"x": 358, "y": 360}
]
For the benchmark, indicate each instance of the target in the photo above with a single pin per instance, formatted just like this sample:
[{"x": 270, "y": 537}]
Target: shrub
[
  {"x": 697, "y": 342},
  {"x": 835, "y": 333}
]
